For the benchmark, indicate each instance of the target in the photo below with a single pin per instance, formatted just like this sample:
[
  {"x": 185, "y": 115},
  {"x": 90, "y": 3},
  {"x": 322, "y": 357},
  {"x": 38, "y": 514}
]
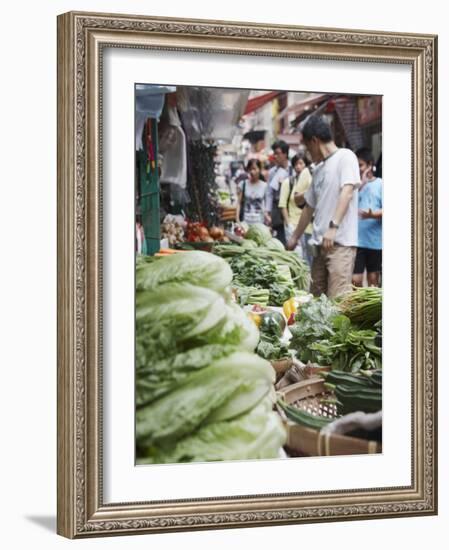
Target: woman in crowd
[
  {"x": 251, "y": 194},
  {"x": 369, "y": 250},
  {"x": 291, "y": 201}
]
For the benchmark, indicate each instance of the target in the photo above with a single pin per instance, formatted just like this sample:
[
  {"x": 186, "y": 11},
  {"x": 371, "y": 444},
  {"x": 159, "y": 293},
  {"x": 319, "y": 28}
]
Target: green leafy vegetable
[
  {"x": 313, "y": 323},
  {"x": 275, "y": 244},
  {"x": 181, "y": 411},
  {"x": 280, "y": 293},
  {"x": 284, "y": 273},
  {"x": 324, "y": 336},
  {"x": 182, "y": 317},
  {"x": 196, "y": 267},
  {"x": 159, "y": 377},
  {"x": 236, "y": 330},
  {"x": 271, "y": 348},
  {"x": 348, "y": 348},
  {"x": 259, "y": 233},
  {"x": 363, "y": 306},
  {"x": 249, "y": 271},
  {"x": 173, "y": 318},
  {"x": 258, "y": 433},
  {"x": 252, "y": 272},
  {"x": 299, "y": 269},
  {"x": 247, "y": 243},
  {"x": 252, "y": 295},
  {"x": 197, "y": 377}
]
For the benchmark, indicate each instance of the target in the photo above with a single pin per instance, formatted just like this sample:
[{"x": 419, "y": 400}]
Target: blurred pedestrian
[
  {"x": 280, "y": 171},
  {"x": 291, "y": 201},
  {"x": 369, "y": 250},
  {"x": 251, "y": 193},
  {"x": 332, "y": 200}
]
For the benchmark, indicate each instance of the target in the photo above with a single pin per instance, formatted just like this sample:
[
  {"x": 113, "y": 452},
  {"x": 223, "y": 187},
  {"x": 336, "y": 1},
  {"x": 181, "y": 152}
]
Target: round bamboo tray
[{"x": 301, "y": 441}]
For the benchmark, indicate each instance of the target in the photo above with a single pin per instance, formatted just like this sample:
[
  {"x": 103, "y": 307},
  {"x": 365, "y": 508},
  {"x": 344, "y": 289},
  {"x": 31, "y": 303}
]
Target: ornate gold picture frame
[{"x": 82, "y": 38}]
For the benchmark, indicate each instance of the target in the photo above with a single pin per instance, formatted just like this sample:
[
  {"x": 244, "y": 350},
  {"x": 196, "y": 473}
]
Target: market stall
[
  {"x": 235, "y": 359},
  {"x": 226, "y": 371},
  {"x": 181, "y": 134}
]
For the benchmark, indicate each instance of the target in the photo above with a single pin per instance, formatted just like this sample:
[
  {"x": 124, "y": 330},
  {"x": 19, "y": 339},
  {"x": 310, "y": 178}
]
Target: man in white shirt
[{"x": 332, "y": 202}]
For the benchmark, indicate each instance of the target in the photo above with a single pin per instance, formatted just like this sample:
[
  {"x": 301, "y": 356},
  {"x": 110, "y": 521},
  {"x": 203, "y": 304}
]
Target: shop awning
[
  {"x": 150, "y": 100},
  {"x": 346, "y": 109},
  {"x": 290, "y": 139},
  {"x": 210, "y": 113},
  {"x": 259, "y": 101},
  {"x": 301, "y": 106}
]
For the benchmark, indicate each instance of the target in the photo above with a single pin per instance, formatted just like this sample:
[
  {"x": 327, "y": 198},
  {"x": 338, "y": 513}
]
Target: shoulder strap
[{"x": 242, "y": 204}]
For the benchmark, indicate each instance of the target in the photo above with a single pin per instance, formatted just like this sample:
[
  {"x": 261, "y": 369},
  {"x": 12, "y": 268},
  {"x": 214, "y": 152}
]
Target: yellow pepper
[
  {"x": 289, "y": 307},
  {"x": 255, "y": 318}
]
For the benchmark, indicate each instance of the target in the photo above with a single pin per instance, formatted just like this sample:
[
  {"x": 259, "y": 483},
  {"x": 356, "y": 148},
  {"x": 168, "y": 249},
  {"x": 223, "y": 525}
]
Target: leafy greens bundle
[
  {"x": 299, "y": 273},
  {"x": 266, "y": 274},
  {"x": 201, "y": 391},
  {"x": 322, "y": 335}
]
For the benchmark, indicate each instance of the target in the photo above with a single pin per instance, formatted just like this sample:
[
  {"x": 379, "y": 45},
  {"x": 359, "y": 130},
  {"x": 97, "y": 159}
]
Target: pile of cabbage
[{"x": 202, "y": 394}]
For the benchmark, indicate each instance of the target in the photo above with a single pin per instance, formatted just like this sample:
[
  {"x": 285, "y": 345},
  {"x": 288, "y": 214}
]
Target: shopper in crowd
[
  {"x": 277, "y": 174},
  {"x": 251, "y": 194},
  {"x": 332, "y": 200},
  {"x": 291, "y": 201},
  {"x": 369, "y": 251}
]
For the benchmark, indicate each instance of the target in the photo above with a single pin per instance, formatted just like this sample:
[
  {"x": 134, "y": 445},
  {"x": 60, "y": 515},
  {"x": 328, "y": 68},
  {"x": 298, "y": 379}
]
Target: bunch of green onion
[{"x": 363, "y": 306}]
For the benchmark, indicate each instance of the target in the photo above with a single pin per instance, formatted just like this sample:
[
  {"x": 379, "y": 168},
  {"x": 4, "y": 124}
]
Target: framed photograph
[{"x": 247, "y": 271}]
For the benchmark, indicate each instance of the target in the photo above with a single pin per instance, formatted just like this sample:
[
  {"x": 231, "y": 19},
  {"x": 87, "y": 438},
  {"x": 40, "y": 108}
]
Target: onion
[
  {"x": 216, "y": 232},
  {"x": 203, "y": 232}
]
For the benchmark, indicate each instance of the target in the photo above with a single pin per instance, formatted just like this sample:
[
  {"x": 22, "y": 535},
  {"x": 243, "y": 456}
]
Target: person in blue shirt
[{"x": 369, "y": 250}]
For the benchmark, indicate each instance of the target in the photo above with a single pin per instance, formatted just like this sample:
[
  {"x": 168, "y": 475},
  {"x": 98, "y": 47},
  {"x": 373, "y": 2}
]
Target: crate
[
  {"x": 228, "y": 214},
  {"x": 303, "y": 441}
]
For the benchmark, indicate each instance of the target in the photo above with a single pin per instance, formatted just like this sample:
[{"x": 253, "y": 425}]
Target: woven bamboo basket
[
  {"x": 281, "y": 366},
  {"x": 303, "y": 441}
]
